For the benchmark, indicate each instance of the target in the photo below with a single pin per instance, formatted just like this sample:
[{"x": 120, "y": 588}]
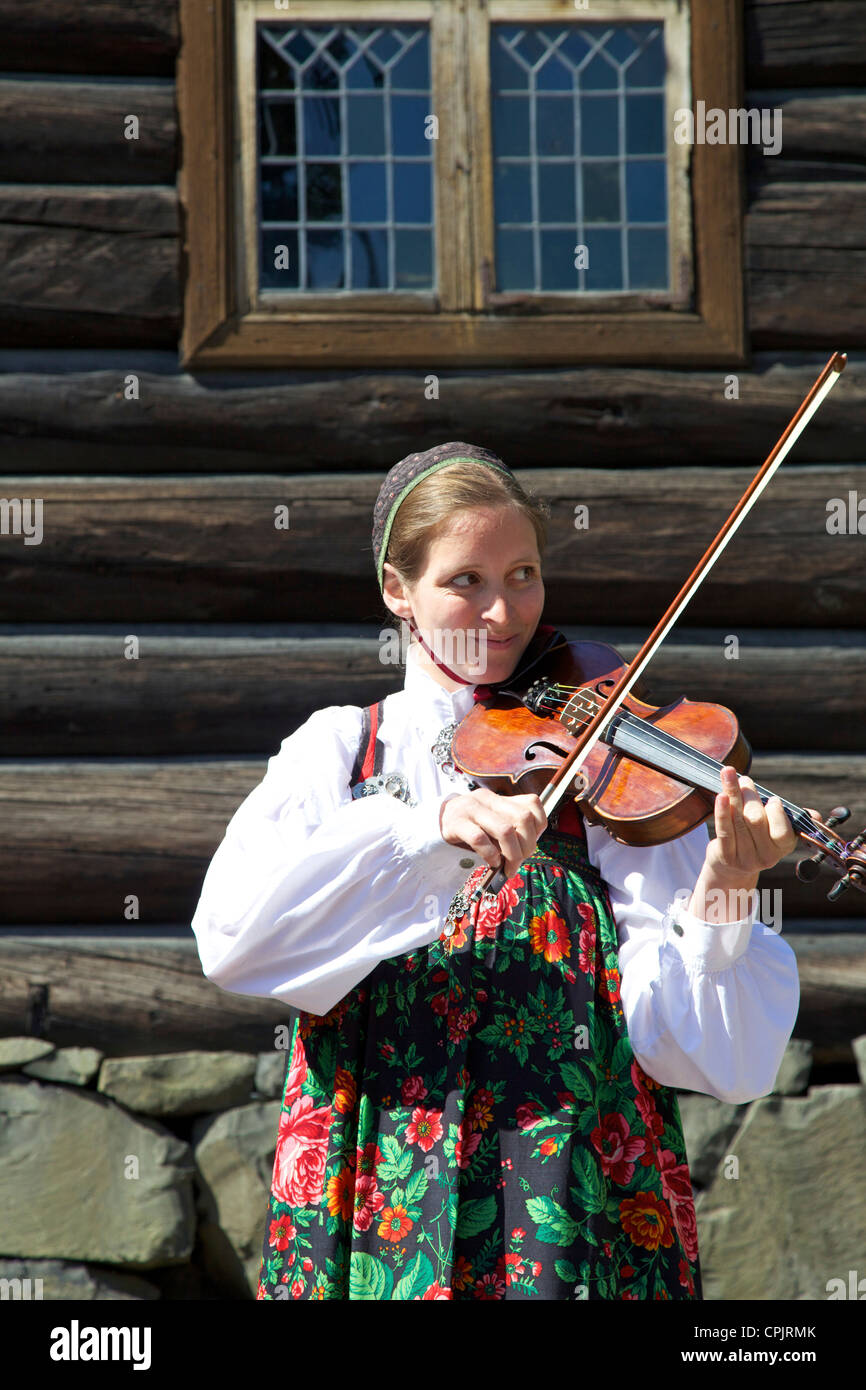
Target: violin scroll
[{"x": 849, "y": 855}]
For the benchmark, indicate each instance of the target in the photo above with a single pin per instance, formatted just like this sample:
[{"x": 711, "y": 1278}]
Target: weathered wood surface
[
  {"x": 61, "y": 132},
  {"x": 101, "y": 36},
  {"x": 787, "y": 42},
  {"x": 89, "y": 265},
  {"x": 125, "y": 996},
  {"x": 82, "y": 837},
  {"x": 244, "y": 690},
  {"x": 208, "y": 549},
  {"x": 806, "y": 264},
  {"x": 823, "y": 135},
  {"x": 75, "y": 413},
  {"x": 97, "y": 266},
  {"x": 129, "y": 995}
]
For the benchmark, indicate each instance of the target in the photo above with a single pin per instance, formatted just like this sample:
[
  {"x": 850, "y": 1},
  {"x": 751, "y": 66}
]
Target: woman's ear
[{"x": 394, "y": 593}]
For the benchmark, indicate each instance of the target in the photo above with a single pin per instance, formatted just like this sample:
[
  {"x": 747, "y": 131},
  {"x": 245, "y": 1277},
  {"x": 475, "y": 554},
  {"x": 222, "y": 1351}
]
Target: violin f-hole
[{"x": 541, "y": 743}]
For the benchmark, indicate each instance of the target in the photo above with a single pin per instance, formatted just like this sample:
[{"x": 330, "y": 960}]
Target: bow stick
[{"x": 569, "y": 770}]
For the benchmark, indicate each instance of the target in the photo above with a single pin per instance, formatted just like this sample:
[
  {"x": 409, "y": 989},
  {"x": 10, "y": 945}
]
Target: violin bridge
[{"x": 577, "y": 712}]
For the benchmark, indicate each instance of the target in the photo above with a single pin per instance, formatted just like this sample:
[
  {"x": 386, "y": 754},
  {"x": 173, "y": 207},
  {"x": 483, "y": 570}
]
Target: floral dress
[{"x": 471, "y": 1123}]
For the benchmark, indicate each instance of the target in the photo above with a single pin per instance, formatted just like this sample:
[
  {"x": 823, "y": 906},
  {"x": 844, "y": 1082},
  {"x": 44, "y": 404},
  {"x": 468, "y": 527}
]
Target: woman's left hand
[{"x": 749, "y": 837}]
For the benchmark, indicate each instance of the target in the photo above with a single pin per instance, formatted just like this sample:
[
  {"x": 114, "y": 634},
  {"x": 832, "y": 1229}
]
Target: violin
[
  {"x": 652, "y": 776},
  {"x": 648, "y": 775}
]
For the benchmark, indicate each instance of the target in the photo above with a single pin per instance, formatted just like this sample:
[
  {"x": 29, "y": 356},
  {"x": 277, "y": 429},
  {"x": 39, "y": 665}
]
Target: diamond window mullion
[
  {"x": 588, "y": 97},
  {"x": 372, "y": 230}
]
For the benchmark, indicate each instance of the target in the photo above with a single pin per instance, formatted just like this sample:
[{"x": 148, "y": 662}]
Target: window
[
  {"x": 344, "y": 167},
  {"x": 433, "y": 181}
]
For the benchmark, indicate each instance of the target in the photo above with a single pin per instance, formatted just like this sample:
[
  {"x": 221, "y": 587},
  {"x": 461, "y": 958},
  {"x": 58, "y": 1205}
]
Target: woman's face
[{"x": 479, "y": 598}]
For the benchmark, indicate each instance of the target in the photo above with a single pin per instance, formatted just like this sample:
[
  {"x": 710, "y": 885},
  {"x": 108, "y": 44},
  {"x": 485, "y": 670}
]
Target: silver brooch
[
  {"x": 441, "y": 750},
  {"x": 394, "y": 783}
]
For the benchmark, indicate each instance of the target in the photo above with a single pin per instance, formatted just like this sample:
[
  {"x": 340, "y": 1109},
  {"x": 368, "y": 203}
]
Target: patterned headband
[{"x": 401, "y": 479}]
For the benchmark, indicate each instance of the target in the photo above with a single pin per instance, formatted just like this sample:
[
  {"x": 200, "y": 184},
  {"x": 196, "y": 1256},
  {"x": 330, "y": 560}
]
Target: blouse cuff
[
  {"x": 709, "y": 945},
  {"x": 420, "y": 835}
]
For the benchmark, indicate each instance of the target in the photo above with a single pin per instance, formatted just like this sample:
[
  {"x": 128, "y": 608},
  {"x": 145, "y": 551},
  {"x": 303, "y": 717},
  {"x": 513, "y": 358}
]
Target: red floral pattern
[{"x": 471, "y": 1122}]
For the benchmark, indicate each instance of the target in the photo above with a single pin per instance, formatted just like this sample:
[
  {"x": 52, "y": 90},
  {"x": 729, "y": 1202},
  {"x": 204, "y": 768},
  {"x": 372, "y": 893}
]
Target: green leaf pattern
[{"x": 471, "y": 1122}]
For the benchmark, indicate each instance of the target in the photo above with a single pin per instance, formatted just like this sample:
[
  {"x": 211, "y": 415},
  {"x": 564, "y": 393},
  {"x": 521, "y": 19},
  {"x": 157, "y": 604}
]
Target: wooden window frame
[{"x": 221, "y": 330}]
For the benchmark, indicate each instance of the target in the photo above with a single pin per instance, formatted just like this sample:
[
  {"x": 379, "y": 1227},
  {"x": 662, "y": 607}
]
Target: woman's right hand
[{"x": 496, "y": 828}]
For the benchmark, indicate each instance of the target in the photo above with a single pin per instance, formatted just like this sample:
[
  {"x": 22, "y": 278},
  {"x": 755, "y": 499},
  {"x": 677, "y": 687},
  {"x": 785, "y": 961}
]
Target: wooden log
[
  {"x": 805, "y": 264},
  {"x": 822, "y": 782},
  {"x": 103, "y": 36},
  {"x": 826, "y": 132},
  {"x": 58, "y": 416},
  {"x": 245, "y": 689},
  {"x": 60, "y": 132},
  {"x": 786, "y": 216},
  {"x": 832, "y": 970},
  {"x": 126, "y": 995},
  {"x": 89, "y": 265},
  {"x": 70, "y": 280},
  {"x": 130, "y": 994},
  {"x": 131, "y": 549},
  {"x": 83, "y": 839},
  {"x": 788, "y": 43},
  {"x": 821, "y": 42}
]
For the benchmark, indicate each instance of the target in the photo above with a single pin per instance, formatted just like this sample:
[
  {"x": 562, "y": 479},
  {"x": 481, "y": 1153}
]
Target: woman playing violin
[{"x": 480, "y": 1101}]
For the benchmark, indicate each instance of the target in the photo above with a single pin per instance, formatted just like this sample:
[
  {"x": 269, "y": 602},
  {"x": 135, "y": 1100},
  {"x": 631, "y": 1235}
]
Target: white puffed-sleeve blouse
[{"x": 311, "y": 888}]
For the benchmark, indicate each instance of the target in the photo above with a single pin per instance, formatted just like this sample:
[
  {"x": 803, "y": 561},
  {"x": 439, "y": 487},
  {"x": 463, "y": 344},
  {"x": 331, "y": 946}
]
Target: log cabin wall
[{"x": 119, "y": 775}]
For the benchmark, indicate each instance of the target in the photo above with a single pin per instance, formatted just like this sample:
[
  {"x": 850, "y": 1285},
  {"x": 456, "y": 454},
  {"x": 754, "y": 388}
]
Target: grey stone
[
  {"x": 709, "y": 1127},
  {"x": 795, "y": 1216},
  {"x": 15, "y": 1053},
  {"x": 234, "y": 1155},
  {"x": 271, "y": 1074},
  {"x": 55, "y": 1281},
  {"x": 859, "y": 1048},
  {"x": 82, "y": 1180},
  {"x": 76, "y": 1066},
  {"x": 793, "y": 1076},
  {"x": 179, "y": 1083}
]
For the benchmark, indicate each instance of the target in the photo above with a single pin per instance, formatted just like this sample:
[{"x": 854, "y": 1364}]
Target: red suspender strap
[
  {"x": 370, "y": 754},
  {"x": 367, "y": 766}
]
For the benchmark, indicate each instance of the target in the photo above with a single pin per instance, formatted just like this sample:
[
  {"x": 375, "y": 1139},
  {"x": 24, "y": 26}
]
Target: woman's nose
[{"x": 497, "y": 610}]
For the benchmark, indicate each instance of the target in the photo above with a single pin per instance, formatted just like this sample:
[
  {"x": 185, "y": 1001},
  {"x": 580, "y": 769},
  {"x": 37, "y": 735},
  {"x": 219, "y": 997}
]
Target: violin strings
[{"x": 696, "y": 766}]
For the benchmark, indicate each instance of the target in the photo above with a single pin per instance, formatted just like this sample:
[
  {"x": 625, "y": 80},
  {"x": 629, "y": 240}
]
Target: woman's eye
[{"x": 469, "y": 577}]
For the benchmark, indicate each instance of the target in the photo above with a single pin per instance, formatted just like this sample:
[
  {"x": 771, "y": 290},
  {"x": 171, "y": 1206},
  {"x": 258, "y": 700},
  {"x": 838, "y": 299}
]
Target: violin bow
[{"x": 568, "y": 773}]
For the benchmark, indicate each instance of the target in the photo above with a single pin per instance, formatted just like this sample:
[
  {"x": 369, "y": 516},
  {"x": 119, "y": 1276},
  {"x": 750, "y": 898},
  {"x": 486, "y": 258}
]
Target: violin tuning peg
[
  {"x": 837, "y": 816},
  {"x": 839, "y": 888},
  {"x": 808, "y": 869}
]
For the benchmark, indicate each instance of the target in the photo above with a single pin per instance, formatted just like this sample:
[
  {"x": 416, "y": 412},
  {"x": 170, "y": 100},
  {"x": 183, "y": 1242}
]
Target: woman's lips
[{"x": 500, "y": 641}]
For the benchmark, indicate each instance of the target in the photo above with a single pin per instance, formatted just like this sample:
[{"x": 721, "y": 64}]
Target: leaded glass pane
[
  {"x": 345, "y": 162},
  {"x": 580, "y": 158},
  {"x": 647, "y": 258}
]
